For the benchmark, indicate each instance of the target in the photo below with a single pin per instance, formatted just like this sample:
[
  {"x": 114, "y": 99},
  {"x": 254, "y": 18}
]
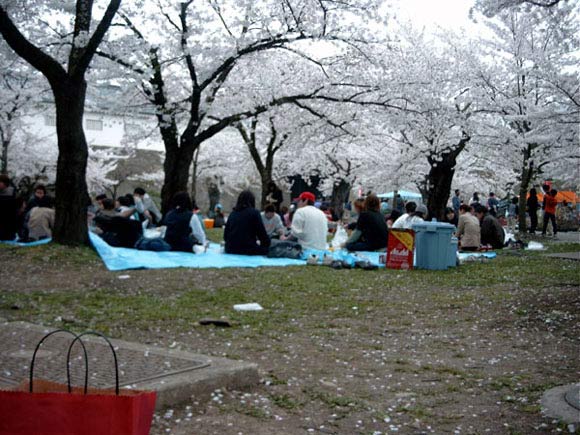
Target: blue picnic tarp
[
  {"x": 116, "y": 259},
  {"x": 36, "y": 243},
  {"x": 125, "y": 258}
]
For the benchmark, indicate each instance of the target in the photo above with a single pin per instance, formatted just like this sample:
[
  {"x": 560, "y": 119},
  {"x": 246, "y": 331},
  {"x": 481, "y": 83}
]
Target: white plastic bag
[
  {"x": 340, "y": 237},
  {"x": 252, "y": 306}
]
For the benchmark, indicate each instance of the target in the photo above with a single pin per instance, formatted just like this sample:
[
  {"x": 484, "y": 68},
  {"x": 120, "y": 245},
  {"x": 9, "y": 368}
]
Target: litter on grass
[
  {"x": 535, "y": 246},
  {"x": 248, "y": 307}
]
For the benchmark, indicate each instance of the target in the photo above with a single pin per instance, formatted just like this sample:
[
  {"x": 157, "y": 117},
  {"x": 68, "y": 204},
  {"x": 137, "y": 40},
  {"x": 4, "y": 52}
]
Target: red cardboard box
[{"x": 400, "y": 249}]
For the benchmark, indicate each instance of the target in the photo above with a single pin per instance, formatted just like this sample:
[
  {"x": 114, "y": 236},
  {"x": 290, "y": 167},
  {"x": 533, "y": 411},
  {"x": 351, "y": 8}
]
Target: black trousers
[{"x": 549, "y": 217}]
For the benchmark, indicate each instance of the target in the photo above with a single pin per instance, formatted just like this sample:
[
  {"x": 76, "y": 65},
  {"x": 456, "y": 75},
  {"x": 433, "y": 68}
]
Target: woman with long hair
[{"x": 244, "y": 228}]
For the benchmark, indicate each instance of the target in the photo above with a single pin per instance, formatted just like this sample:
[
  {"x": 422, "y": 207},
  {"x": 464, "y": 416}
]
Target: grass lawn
[{"x": 339, "y": 351}]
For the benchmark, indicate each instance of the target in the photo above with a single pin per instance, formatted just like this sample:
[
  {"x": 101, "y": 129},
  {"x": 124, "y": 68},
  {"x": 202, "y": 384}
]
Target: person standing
[
  {"x": 474, "y": 201},
  {"x": 456, "y": 202},
  {"x": 492, "y": 204},
  {"x": 309, "y": 224},
  {"x": 532, "y": 204},
  {"x": 550, "y": 204},
  {"x": 274, "y": 196}
]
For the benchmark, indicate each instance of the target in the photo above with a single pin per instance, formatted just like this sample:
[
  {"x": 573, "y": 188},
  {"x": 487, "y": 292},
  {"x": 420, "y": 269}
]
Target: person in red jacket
[{"x": 550, "y": 204}]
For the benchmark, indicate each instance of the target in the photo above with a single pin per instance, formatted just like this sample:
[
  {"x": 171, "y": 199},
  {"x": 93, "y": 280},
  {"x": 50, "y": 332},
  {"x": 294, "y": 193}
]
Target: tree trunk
[
  {"x": 527, "y": 175},
  {"x": 4, "y": 161},
  {"x": 72, "y": 196},
  {"x": 439, "y": 181},
  {"x": 176, "y": 168},
  {"x": 265, "y": 179},
  {"x": 340, "y": 192},
  {"x": 194, "y": 174}
]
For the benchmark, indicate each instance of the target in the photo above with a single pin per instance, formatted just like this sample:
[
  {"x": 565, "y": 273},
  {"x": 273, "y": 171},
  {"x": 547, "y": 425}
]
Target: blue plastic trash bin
[
  {"x": 452, "y": 252},
  {"x": 433, "y": 245}
]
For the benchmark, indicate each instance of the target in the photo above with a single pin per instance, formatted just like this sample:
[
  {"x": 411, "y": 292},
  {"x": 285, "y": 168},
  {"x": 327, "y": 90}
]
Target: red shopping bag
[{"x": 40, "y": 407}]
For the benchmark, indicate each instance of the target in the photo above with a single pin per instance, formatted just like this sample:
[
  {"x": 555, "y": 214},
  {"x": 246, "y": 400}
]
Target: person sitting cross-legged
[
  {"x": 309, "y": 224},
  {"x": 468, "y": 230},
  {"x": 244, "y": 228},
  {"x": 272, "y": 222},
  {"x": 371, "y": 231}
]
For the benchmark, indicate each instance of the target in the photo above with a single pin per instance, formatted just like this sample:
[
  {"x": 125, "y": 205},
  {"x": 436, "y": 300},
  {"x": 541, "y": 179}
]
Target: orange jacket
[{"x": 550, "y": 204}]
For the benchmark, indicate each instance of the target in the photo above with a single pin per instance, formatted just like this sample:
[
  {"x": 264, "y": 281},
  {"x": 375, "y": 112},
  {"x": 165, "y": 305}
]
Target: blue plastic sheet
[
  {"x": 15, "y": 243},
  {"x": 124, "y": 258}
]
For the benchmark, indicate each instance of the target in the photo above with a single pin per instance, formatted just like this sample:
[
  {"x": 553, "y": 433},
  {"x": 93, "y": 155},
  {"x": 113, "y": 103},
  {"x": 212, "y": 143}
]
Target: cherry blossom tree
[
  {"x": 532, "y": 87},
  {"x": 187, "y": 76},
  {"x": 67, "y": 81}
]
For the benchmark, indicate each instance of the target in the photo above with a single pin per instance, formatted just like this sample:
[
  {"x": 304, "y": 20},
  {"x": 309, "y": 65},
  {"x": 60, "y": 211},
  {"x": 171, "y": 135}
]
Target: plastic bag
[{"x": 340, "y": 237}]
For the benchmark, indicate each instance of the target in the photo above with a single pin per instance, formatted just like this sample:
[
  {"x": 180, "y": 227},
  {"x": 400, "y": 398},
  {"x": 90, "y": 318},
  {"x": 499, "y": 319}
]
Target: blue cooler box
[{"x": 433, "y": 245}]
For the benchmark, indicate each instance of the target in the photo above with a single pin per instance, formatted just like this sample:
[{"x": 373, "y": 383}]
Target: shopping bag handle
[
  {"x": 30, "y": 383},
  {"x": 98, "y": 334}
]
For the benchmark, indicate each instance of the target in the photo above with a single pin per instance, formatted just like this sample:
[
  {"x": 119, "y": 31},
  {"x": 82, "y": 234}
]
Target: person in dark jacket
[
  {"x": 182, "y": 225},
  {"x": 244, "y": 227},
  {"x": 492, "y": 232},
  {"x": 533, "y": 206},
  {"x": 371, "y": 228}
]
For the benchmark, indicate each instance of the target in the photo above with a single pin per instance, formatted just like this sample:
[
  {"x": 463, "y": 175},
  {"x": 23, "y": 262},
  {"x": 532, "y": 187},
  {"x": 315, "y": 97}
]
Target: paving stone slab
[
  {"x": 562, "y": 403},
  {"x": 175, "y": 375}
]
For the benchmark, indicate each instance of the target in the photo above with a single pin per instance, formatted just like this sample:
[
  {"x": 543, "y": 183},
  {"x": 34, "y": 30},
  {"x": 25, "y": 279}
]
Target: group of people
[
  {"x": 250, "y": 232},
  {"x": 28, "y": 219}
]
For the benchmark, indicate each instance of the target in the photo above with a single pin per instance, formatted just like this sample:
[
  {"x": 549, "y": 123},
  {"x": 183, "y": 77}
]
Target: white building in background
[
  {"x": 124, "y": 134},
  {"x": 104, "y": 128}
]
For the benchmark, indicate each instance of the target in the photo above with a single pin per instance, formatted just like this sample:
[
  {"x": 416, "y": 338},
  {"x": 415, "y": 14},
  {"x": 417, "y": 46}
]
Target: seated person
[
  {"x": 272, "y": 222},
  {"x": 468, "y": 230},
  {"x": 358, "y": 206},
  {"x": 39, "y": 193},
  {"x": 309, "y": 224},
  {"x": 289, "y": 215},
  {"x": 41, "y": 219},
  {"x": 450, "y": 217},
  {"x": 145, "y": 206},
  {"x": 183, "y": 226},
  {"x": 219, "y": 219},
  {"x": 392, "y": 218},
  {"x": 492, "y": 232},
  {"x": 126, "y": 207},
  {"x": 419, "y": 216},
  {"x": 244, "y": 228},
  {"x": 402, "y": 221},
  {"x": 371, "y": 231}
]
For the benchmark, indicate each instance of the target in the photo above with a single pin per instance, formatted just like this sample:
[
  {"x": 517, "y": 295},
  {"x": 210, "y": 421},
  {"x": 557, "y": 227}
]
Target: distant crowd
[{"x": 134, "y": 220}]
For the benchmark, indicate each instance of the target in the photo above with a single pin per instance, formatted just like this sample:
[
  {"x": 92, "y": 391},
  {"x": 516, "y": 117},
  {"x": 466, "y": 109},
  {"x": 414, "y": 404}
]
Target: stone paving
[{"x": 175, "y": 375}]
